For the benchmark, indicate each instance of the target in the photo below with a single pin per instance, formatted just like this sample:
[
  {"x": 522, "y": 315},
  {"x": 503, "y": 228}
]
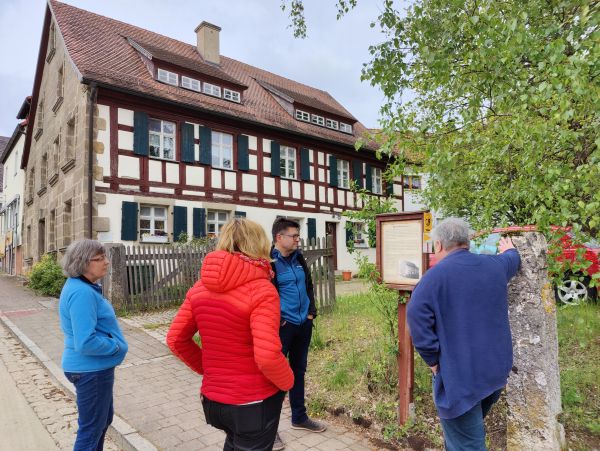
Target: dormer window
[
  {"x": 234, "y": 96},
  {"x": 346, "y": 128},
  {"x": 190, "y": 83},
  {"x": 211, "y": 90},
  {"x": 319, "y": 120},
  {"x": 330, "y": 123},
  {"x": 302, "y": 116},
  {"x": 170, "y": 78}
]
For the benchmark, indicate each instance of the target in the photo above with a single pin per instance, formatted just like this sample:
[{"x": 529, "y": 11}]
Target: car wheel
[{"x": 572, "y": 292}]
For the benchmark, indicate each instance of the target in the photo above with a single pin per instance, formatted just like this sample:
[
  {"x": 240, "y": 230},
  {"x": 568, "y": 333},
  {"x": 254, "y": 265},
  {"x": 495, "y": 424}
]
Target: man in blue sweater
[
  {"x": 458, "y": 320},
  {"x": 294, "y": 284}
]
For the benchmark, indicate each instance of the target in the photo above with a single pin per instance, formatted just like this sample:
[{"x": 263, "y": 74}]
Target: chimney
[{"x": 207, "y": 36}]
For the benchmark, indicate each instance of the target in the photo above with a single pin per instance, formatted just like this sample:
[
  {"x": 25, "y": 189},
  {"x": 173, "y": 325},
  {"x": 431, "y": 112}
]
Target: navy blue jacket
[
  {"x": 294, "y": 284},
  {"x": 458, "y": 318}
]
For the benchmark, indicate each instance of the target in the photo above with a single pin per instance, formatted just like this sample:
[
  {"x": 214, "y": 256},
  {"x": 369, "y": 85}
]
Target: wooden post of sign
[{"x": 408, "y": 248}]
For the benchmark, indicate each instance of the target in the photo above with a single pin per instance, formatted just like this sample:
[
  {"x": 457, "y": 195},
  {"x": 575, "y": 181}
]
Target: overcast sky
[{"x": 253, "y": 31}]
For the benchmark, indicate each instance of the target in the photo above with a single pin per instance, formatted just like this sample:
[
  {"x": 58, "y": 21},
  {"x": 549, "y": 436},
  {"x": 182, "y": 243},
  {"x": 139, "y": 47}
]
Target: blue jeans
[
  {"x": 295, "y": 341},
  {"x": 467, "y": 432},
  {"x": 95, "y": 406}
]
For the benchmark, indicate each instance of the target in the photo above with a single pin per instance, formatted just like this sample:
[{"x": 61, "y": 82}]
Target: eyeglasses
[
  {"x": 293, "y": 237},
  {"x": 99, "y": 259}
]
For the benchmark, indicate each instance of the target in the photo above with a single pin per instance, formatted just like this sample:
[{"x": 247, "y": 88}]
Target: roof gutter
[
  {"x": 92, "y": 93},
  {"x": 215, "y": 113}
]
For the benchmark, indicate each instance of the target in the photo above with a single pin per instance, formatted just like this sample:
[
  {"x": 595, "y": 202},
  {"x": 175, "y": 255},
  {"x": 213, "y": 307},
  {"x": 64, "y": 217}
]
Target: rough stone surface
[{"x": 533, "y": 391}]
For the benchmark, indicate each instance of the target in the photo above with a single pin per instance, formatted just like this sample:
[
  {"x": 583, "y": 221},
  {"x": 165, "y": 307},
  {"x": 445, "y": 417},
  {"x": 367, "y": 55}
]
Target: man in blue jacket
[
  {"x": 458, "y": 320},
  {"x": 294, "y": 284}
]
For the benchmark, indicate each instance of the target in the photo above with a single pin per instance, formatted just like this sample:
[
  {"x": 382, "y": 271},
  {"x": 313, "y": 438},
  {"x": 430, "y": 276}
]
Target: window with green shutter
[
  {"x": 333, "y": 176},
  {"x": 357, "y": 175},
  {"x": 275, "y": 159},
  {"x": 179, "y": 222},
  {"x": 140, "y": 133},
  {"x": 242, "y": 153},
  {"x": 129, "y": 221},
  {"x": 304, "y": 164},
  {"x": 199, "y": 222},
  {"x": 205, "y": 145},
  {"x": 187, "y": 143},
  {"x": 311, "y": 226}
]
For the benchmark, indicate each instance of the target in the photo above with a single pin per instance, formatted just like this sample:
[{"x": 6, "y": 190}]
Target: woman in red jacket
[{"x": 235, "y": 308}]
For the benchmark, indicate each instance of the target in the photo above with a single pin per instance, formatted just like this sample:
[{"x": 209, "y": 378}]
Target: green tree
[{"x": 504, "y": 102}]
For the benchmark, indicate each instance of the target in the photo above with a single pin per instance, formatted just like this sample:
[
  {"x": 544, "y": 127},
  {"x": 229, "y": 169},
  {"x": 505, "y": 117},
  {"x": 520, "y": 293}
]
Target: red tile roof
[{"x": 101, "y": 52}]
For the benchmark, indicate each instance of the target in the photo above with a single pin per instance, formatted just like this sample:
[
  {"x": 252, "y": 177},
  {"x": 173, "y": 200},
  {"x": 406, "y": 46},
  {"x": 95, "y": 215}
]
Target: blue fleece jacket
[
  {"x": 458, "y": 318},
  {"x": 291, "y": 284},
  {"x": 93, "y": 338}
]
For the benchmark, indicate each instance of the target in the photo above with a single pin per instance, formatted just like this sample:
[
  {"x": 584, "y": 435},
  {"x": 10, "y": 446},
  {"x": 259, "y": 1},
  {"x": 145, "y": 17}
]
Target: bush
[{"x": 46, "y": 276}]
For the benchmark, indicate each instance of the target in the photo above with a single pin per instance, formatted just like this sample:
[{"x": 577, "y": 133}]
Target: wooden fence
[{"x": 145, "y": 277}]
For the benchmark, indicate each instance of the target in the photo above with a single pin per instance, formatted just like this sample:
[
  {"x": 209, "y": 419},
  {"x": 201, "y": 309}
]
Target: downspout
[{"x": 92, "y": 92}]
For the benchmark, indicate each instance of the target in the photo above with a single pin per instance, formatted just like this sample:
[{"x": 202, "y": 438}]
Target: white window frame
[
  {"x": 221, "y": 150},
  {"x": 162, "y": 135},
  {"x": 302, "y": 116},
  {"x": 211, "y": 90},
  {"x": 212, "y": 219},
  {"x": 330, "y": 123},
  {"x": 343, "y": 171},
  {"x": 287, "y": 162},
  {"x": 190, "y": 82},
  {"x": 376, "y": 181},
  {"x": 318, "y": 120},
  {"x": 168, "y": 77},
  {"x": 234, "y": 96},
  {"x": 360, "y": 235},
  {"x": 154, "y": 235},
  {"x": 346, "y": 128}
]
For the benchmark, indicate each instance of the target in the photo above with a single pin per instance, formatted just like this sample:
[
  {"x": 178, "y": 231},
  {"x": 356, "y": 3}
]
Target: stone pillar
[
  {"x": 533, "y": 391},
  {"x": 115, "y": 283}
]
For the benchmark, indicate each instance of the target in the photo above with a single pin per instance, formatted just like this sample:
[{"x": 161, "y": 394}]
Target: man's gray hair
[
  {"x": 78, "y": 256},
  {"x": 451, "y": 232}
]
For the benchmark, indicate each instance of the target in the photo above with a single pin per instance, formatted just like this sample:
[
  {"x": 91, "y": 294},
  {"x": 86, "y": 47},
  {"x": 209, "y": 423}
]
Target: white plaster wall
[
  {"x": 252, "y": 143},
  {"x": 112, "y": 209},
  {"x": 253, "y": 162},
  {"x": 15, "y": 184},
  {"x": 230, "y": 180},
  {"x": 249, "y": 183},
  {"x": 103, "y": 159},
  {"x": 412, "y": 198},
  {"x": 269, "y": 185},
  {"x": 125, "y": 140},
  {"x": 173, "y": 173},
  {"x": 296, "y": 190},
  {"x": 154, "y": 170},
  {"x": 129, "y": 167},
  {"x": 125, "y": 117},
  {"x": 284, "y": 187},
  {"x": 194, "y": 176},
  {"x": 321, "y": 158},
  {"x": 309, "y": 192},
  {"x": 321, "y": 175},
  {"x": 216, "y": 178}
]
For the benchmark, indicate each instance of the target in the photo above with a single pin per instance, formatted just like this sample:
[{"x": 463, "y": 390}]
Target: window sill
[
  {"x": 155, "y": 239},
  {"x": 52, "y": 180},
  {"x": 42, "y": 191},
  {"x": 38, "y": 133},
  {"x": 68, "y": 166},
  {"x": 57, "y": 104},
  {"x": 50, "y": 55},
  {"x": 162, "y": 159}
]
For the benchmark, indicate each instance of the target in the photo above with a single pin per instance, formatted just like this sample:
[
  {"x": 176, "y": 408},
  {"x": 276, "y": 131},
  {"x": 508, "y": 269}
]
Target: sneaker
[
  {"x": 310, "y": 425},
  {"x": 278, "y": 445}
]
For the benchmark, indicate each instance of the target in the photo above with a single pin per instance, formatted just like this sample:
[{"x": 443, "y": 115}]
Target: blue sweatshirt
[
  {"x": 93, "y": 338},
  {"x": 291, "y": 284},
  {"x": 458, "y": 318}
]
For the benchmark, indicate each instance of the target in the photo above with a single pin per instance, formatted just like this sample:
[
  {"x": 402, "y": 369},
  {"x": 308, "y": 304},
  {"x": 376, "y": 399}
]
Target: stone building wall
[{"x": 56, "y": 175}]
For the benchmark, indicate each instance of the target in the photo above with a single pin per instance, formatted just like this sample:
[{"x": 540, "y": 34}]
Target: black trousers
[{"x": 248, "y": 427}]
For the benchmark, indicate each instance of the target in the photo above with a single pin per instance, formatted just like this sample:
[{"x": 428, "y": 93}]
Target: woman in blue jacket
[{"x": 94, "y": 343}]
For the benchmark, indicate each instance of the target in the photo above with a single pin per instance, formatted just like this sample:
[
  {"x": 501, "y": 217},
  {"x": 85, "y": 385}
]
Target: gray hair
[
  {"x": 78, "y": 256},
  {"x": 451, "y": 232}
]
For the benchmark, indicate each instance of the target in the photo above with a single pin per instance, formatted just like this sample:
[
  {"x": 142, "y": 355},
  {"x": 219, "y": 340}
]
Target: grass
[{"x": 352, "y": 371}]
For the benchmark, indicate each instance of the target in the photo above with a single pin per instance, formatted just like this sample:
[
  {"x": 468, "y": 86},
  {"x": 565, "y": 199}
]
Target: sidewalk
[{"x": 157, "y": 402}]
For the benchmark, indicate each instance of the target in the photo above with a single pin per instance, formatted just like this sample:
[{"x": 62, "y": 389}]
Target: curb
[{"x": 125, "y": 436}]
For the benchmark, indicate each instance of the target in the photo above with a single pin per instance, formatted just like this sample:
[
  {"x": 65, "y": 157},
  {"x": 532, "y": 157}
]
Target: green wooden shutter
[
  {"x": 140, "y": 133},
  {"x": 179, "y": 221},
  {"x": 368, "y": 178},
  {"x": 205, "y": 145},
  {"x": 129, "y": 221},
  {"x": 240, "y": 214},
  {"x": 333, "y": 175},
  {"x": 199, "y": 226},
  {"x": 242, "y": 153},
  {"x": 304, "y": 164},
  {"x": 311, "y": 225},
  {"x": 187, "y": 143},
  {"x": 349, "y": 232},
  {"x": 357, "y": 175},
  {"x": 275, "y": 158},
  {"x": 389, "y": 187}
]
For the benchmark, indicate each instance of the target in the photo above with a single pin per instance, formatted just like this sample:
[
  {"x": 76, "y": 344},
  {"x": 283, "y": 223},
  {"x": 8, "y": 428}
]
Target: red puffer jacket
[{"x": 235, "y": 307}]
